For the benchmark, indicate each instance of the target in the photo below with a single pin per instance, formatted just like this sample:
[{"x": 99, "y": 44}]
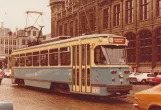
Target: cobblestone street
[{"x": 28, "y": 98}]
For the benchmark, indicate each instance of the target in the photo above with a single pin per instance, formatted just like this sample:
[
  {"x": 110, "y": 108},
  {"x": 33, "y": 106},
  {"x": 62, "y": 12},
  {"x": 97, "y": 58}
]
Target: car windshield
[
  {"x": 137, "y": 73},
  {"x": 109, "y": 54}
]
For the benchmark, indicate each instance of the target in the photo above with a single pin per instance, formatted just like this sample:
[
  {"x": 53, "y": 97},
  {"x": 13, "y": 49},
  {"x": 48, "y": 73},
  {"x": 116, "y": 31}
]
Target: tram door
[{"x": 81, "y": 68}]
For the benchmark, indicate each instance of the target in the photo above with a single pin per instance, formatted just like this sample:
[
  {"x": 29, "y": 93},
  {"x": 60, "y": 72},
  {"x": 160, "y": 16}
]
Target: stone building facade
[
  {"x": 138, "y": 20},
  {"x": 12, "y": 41}
]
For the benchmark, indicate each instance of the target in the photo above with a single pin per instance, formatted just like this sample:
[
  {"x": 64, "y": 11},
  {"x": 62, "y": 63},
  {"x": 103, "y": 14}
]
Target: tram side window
[
  {"x": 65, "y": 54},
  {"x": 22, "y": 59},
  {"x": 29, "y": 59},
  {"x": 53, "y": 57},
  {"x": 88, "y": 54},
  {"x": 44, "y": 58},
  {"x": 36, "y": 60},
  {"x": 17, "y": 59}
]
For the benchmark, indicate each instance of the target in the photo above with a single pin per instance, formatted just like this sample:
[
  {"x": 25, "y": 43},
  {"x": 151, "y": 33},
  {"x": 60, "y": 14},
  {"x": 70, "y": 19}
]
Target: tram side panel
[{"x": 43, "y": 77}]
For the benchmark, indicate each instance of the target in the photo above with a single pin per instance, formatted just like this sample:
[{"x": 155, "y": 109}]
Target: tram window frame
[
  {"x": 17, "y": 60},
  {"x": 22, "y": 60},
  {"x": 65, "y": 56},
  {"x": 53, "y": 57},
  {"x": 44, "y": 57},
  {"x": 29, "y": 59},
  {"x": 88, "y": 54},
  {"x": 36, "y": 58}
]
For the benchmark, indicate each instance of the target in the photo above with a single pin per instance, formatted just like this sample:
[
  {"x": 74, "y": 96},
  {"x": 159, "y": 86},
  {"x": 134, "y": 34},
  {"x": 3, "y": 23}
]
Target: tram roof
[{"x": 72, "y": 39}]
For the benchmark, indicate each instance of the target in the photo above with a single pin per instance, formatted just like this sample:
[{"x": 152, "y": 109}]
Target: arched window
[
  {"x": 131, "y": 49},
  {"x": 145, "y": 46},
  {"x": 158, "y": 43}
]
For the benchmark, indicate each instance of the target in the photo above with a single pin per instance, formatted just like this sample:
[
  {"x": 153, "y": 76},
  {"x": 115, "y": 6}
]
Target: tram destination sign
[{"x": 117, "y": 40}]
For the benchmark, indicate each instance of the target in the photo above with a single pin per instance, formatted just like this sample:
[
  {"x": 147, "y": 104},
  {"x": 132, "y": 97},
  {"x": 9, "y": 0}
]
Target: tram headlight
[{"x": 121, "y": 75}]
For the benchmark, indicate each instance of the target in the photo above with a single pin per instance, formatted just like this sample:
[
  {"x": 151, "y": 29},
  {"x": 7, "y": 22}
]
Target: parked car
[
  {"x": 1, "y": 76},
  {"x": 7, "y": 73},
  {"x": 149, "y": 99},
  {"x": 140, "y": 77},
  {"x": 155, "y": 80},
  {"x": 132, "y": 78}
]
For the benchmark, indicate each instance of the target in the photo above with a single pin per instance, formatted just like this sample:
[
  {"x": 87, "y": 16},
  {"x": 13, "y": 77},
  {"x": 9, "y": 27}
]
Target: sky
[{"x": 12, "y": 13}]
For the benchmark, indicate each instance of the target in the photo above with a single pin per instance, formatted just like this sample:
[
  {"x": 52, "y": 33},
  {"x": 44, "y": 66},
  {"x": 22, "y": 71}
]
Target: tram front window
[{"x": 109, "y": 55}]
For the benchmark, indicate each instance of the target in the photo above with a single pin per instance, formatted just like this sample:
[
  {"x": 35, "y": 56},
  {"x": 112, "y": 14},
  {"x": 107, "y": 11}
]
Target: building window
[
  {"x": 83, "y": 25},
  {"x": 116, "y": 12},
  {"x": 6, "y": 50},
  {"x": 71, "y": 28},
  {"x": 29, "y": 33},
  {"x": 76, "y": 27},
  {"x": 60, "y": 30},
  {"x": 129, "y": 7},
  {"x": 65, "y": 29},
  {"x": 158, "y": 42},
  {"x": 10, "y": 51},
  {"x": 34, "y": 33},
  {"x": 10, "y": 42},
  {"x": 92, "y": 21},
  {"x": 131, "y": 49},
  {"x": 14, "y": 42},
  {"x": 6, "y": 41},
  {"x": 158, "y": 8},
  {"x": 2, "y": 41},
  {"x": 23, "y": 42},
  {"x": 144, "y": 9},
  {"x": 105, "y": 18},
  {"x": 145, "y": 46}
]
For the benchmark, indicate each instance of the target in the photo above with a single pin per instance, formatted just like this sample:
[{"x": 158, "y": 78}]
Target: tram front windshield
[{"x": 109, "y": 55}]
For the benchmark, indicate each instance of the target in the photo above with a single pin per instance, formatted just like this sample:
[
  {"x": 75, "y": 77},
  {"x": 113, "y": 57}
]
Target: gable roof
[{"x": 31, "y": 27}]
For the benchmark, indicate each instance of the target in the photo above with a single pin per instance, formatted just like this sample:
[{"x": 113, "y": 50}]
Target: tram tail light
[
  {"x": 113, "y": 71},
  {"x": 113, "y": 79}
]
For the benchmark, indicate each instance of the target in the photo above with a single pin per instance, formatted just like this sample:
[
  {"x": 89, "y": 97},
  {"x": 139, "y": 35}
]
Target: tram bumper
[{"x": 119, "y": 89}]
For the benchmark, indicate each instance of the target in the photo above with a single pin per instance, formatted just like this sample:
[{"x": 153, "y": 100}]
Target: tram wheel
[
  {"x": 20, "y": 82},
  {"x": 60, "y": 88}
]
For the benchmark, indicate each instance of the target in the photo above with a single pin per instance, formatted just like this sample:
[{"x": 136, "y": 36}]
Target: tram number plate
[{"x": 121, "y": 80}]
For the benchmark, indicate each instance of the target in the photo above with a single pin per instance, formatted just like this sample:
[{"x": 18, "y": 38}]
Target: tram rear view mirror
[{"x": 6, "y": 106}]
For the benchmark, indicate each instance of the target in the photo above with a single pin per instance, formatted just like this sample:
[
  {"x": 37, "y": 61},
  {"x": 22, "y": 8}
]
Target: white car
[
  {"x": 7, "y": 72},
  {"x": 132, "y": 77},
  {"x": 140, "y": 77}
]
